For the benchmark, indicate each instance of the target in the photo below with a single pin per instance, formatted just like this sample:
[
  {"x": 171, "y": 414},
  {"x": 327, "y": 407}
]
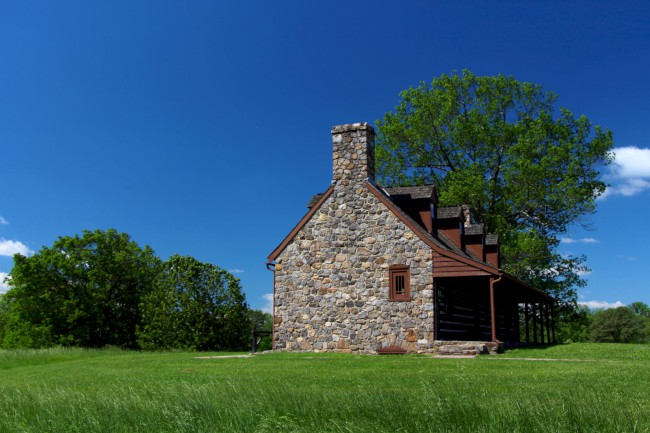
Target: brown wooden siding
[
  {"x": 474, "y": 245},
  {"x": 448, "y": 267},
  {"x": 492, "y": 255}
]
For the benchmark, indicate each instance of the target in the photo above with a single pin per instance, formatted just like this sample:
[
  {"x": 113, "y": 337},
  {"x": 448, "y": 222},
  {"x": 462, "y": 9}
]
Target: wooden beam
[
  {"x": 553, "y": 321},
  {"x": 541, "y": 323},
  {"x": 493, "y": 315},
  {"x": 548, "y": 324},
  {"x": 534, "y": 323}
]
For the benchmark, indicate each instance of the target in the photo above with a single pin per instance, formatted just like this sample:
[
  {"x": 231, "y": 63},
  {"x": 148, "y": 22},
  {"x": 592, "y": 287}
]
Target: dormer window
[{"x": 400, "y": 283}]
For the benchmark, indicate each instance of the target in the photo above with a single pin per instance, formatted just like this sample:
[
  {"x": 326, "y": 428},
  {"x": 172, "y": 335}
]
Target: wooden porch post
[
  {"x": 534, "y": 323},
  {"x": 553, "y": 321},
  {"x": 541, "y": 323},
  {"x": 493, "y": 315},
  {"x": 548, "y": 324}
]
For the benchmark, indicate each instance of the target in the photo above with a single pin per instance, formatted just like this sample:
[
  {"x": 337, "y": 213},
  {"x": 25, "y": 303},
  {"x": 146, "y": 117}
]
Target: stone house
[{"x": 385, "y": 270}]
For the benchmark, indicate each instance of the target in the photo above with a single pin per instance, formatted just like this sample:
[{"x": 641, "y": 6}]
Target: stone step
[{"x": 462, "y": 349}]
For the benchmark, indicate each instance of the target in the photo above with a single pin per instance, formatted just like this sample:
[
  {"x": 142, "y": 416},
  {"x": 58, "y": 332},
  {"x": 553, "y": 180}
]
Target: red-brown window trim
[{"x": 399, "y": 280}]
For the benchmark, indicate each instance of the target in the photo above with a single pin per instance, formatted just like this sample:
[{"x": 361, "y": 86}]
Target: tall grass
[{"x": 593, "y": 388}]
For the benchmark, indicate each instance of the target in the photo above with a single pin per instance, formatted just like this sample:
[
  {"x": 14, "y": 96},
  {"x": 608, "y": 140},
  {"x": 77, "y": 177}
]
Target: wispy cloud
[
  {"x": 268, "y": 303},
  {"x": 236, "y": 271},
  {"x": 9, "y": 248},
  {"x": 3, "y": 221},
  {"x": 601, "y": 305},
  {"x": 579, "y": 241},
  {"x": 629, "y": 174},
  {"x": 3, "y": 286}
]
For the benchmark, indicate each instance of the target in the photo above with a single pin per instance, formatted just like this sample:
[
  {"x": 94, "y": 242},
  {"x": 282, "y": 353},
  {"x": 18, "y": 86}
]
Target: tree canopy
[
  {"x": 83, "y": 291},
  {"x": 196, "y": 306},
  {"x": 529, "y": 171},
  {"x": 102, "y": 289},
  {"x": 621, "y": 325},
  {"x": 625, "y": 324}
]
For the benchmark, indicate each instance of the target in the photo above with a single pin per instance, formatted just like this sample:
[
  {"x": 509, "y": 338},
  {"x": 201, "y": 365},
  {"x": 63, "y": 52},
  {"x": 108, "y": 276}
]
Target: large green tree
[
  {"x": 618, "y": 325},
  {"x": 196, "y": 306},
  {"x": 83, "y": 291},
  {"x": 529, "y": 171}
]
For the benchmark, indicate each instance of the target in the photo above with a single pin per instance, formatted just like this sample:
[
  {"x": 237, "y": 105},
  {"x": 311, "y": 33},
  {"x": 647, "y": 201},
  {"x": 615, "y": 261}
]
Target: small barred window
[{"x": 400, "y": 284}]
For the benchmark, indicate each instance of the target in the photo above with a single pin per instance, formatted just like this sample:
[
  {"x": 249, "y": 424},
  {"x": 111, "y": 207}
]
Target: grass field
[{"x": 565, "y": 388}]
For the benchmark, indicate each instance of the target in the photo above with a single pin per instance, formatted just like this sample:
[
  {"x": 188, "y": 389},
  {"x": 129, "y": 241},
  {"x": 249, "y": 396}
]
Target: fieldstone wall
[
  {"x": 332, "y": 280},
  {"x": 353, "y": 153}
]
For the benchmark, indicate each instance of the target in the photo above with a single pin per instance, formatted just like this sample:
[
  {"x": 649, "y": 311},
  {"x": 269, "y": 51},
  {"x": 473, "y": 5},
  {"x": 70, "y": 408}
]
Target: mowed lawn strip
[{"x": 585, "y": 388}]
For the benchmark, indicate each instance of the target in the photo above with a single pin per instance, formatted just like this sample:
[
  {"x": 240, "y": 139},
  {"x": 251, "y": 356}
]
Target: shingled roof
[
  {"x": 410, "y": 192},
  {"x": 449, "y": 212},
  {"x": 475, "y": 229}
]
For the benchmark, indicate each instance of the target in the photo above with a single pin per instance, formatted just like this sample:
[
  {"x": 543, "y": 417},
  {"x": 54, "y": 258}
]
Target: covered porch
[{"x": 492, "y": 308}]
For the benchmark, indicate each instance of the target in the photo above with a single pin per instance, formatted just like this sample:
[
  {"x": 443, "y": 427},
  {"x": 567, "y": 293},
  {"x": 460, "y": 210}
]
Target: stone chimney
[{"x": 354, "y": 153}]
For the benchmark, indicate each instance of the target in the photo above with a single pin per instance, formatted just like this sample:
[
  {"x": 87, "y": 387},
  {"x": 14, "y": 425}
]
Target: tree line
[
  {"x": 625, "y": 324},
  {"x": 102, "y": 289}
]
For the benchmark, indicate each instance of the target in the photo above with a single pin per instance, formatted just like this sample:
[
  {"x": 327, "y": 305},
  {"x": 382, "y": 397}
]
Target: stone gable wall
[{"x": 332, "y": 279}]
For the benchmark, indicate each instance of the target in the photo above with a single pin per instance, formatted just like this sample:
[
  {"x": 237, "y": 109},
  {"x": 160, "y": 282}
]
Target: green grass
[{"x": 591, "y": 388}]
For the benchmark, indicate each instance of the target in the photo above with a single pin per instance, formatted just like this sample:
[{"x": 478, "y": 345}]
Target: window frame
[{"x": 395, "y": 274}]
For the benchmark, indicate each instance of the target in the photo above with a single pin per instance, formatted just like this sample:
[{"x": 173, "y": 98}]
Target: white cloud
[
  {"x": 579, "y": 241},
  {"x": 268, "y": 303},
  {"x": 632, "y": 162},
  {"x": 602, "y": 305},
  {"x": 9, "y": 248},
  {"x": 629, "y": 174},
  {"x": 3, "y": 221},
  {"x": 3, "y": 286},
  {"x": 236, "y": 271}
]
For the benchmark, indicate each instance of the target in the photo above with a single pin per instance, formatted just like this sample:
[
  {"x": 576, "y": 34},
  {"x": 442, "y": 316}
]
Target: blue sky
[{"x": 203, "y": 128}]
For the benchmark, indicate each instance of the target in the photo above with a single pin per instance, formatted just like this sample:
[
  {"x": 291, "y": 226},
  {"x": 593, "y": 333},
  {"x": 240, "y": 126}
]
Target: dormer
[
  {"x": 492, "y": 250},
  {"x": 449, "y": 224},
  {"x": 419, "y": 202},
  {"x": 473, "y": 240}
]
